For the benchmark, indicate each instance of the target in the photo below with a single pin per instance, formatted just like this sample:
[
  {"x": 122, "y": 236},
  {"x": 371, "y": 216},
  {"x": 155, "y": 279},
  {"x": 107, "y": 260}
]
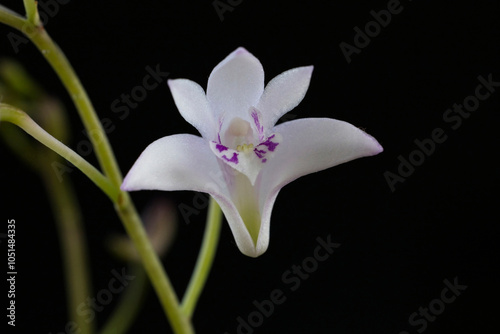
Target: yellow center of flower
[{"x": 244, "y": 148}]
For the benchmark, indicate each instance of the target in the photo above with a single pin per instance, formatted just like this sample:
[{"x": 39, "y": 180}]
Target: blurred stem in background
[{"x": 17, "y": 88}]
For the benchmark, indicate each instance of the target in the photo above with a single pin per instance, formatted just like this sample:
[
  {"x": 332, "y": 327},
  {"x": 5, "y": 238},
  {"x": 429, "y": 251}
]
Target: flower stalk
[
  {"x": 21, "y": 119},
  {"x": 205, "y": 259},
  {"x": 71, "y": 82}
]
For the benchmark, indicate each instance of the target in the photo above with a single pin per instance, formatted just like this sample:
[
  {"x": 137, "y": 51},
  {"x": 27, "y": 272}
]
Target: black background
[{"x": 397, "y": 247}]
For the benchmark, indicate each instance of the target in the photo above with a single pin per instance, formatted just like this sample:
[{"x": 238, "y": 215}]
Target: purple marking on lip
[
  {"x": 234, "y": 158},
  {"x": 264, "y": 148},
  {"x": 271, "y": 146},
  {"x": 220, "y": 147},
  {"x": 259, "y": 153}
]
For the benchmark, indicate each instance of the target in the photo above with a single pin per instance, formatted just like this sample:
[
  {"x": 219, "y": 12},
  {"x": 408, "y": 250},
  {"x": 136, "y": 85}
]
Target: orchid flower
[{"x": 242, "y": 158}]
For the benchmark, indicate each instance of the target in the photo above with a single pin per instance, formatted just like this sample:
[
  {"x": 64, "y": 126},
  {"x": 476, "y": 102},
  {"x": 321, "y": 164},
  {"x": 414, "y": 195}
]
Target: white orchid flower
[{"x": 243, "y": 159}]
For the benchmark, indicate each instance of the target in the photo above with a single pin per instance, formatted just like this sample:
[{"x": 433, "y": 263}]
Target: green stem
[
  {"x": 21, "y": 119},
  {"x": 56, "y": 58},
  {"x": 11, "y": 18},
  {"x": 205, "y": 259},
  {"x": 71, "y": 82},
  {"x": 31, "y": 11},
  {"x": 159, "y": 279},
  {"x": 72, "y": 238}
]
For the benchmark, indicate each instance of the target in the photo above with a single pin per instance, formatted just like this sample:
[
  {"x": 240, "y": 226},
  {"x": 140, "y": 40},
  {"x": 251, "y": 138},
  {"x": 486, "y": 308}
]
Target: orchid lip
[
  {"x": 247, "y": 159},
  {"x": 243, "y": 145}
]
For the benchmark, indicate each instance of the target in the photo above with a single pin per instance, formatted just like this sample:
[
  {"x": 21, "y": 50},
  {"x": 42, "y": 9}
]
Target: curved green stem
[
  {"x": 33, "y": 29},
  {"x": 11, "y": 18},
  {"x": 68, "y": 222},
  {"x": 71, "y": 82},
  {"x": 21, "y": 119},
  {"x": 205, "y": 259}
]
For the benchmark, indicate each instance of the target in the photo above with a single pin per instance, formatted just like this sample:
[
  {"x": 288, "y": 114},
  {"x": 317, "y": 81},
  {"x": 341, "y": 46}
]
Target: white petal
[
  {"x": 310, "y": 145},
  {"x": 193, "y": 105},
  {"x": 185, "y": 162},
  {"x": 283, "y": 93},
  {"x": 236, "y": 84},
  {"x": 178, "y": 162},
  {"x": 307, "y": 146}
]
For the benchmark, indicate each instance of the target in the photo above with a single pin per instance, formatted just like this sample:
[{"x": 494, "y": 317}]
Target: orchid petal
[
  {"x": 310, "y": 145},
  {"x": 190, "y": 99},
  {"x": 178, "y": 162},
  {"x": 307, "y": 146},
  {"x": 283, "y": 93},
  {"x": 185, "y": 162},
  {"x": 236, "y": 84}
]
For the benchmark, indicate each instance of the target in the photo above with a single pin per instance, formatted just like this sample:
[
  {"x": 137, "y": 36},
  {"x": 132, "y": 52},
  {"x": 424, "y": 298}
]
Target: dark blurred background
[{"x": 399, "y": 241}]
